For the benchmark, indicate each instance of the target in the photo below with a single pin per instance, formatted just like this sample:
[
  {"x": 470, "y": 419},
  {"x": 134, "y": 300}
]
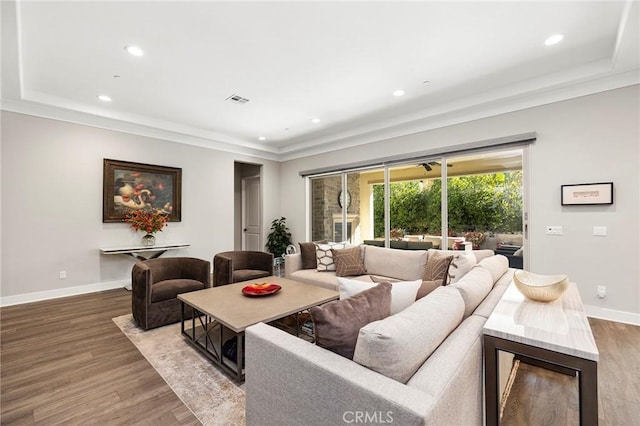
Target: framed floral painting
[{"x": 130, "y": 186}]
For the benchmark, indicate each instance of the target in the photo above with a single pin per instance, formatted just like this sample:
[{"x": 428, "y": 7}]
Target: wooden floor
[
  {"x": 65, "y": 362},
  {"x": 542, "y": 397}
]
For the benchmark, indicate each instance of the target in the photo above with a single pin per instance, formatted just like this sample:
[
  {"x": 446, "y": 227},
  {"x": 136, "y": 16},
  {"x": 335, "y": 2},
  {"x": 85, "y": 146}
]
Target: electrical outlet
[
  {"x": 602, "y": 291},
  {"x": 63, "y": 275}
]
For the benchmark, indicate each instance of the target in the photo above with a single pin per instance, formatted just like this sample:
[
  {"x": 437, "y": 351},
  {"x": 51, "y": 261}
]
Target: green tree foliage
[{"x": 490, "y": 202}]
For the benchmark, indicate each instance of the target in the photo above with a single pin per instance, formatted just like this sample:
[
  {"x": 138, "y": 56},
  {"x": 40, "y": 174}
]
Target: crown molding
[
  {"x": 482, "y": 106},
  {"x": 158, "y": 130},
  {"x": 458, "y": 112}
]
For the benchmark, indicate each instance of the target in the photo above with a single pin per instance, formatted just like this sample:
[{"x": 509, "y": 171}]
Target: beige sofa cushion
[
  {"x": 398, "y": 345},
  {"x": 474, "y": 287},
  {"x": 403, "y": 293},
  {"x": 497, "y": 265},
  {"x": 482, "y": 254},
  {"x": 406, "y": 265},
  {"x": 453, "y": 373},
  {"x": 461, "y": 263},
  {"x": 489, "y": 303}
]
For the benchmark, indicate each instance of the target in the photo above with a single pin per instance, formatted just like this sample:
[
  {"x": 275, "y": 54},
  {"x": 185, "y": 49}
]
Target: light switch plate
[
  {"x": 600, "y": 231},
  {"x": 554, "y": 230}
]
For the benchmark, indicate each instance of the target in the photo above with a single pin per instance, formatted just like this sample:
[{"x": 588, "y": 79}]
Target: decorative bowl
[
  {"x": 540, "y": 288},
  {"x": 260, "y": 289}
]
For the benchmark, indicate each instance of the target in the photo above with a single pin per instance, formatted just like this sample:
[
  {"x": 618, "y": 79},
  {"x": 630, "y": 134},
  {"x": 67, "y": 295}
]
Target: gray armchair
[
  {"x": 156, "y": 283},
  {"x": 236, "y": 266}
]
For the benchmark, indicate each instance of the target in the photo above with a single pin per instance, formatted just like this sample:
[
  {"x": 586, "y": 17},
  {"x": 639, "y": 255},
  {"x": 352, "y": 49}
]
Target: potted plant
[
  {"x": 476, "y": 238},
  {"x": 278, "y": 239}
]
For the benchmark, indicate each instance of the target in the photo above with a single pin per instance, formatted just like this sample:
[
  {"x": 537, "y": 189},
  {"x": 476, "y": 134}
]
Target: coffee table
[
  {"x": 553, "y": 335},
  {"x": 223, "y": 313}
]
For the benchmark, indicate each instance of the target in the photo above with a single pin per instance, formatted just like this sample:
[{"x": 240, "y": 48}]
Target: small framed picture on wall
[{"x": 587, "y": 194}]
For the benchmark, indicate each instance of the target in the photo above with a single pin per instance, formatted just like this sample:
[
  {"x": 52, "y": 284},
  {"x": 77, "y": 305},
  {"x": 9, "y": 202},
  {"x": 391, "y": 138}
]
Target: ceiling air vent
[{"x": 237, "y": 99}]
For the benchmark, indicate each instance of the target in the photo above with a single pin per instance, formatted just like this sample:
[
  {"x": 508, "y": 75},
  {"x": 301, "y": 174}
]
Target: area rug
[{"x": 212, "y": 397}]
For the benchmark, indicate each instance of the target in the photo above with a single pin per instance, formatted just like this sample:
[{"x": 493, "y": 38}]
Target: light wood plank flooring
[{"x": 64, "y": 361}]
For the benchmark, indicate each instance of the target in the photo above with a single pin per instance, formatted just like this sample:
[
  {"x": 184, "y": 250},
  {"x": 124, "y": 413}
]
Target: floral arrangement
[
  {"x": 396, "y": 233},
  {"x": 475, "y": 237},
  {"x": 149, "y": 221}
]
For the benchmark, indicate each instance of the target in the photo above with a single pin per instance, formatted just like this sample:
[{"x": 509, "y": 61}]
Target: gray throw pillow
[{"x": 336, "y": 324}]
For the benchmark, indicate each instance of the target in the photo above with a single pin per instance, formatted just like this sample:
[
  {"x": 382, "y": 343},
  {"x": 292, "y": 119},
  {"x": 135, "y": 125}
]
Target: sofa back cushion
[
  {"x": 398, "y": 345},
  {"x": 453, "y": 376},
  {"x": 407, "y": 265},
  {"x": 482, "y": 254},
  {"x": 496, "y": 265},
  {"x": 336, "y": 324},
  {"x": 461, "y": 263},
  {"x": 474, "y": 287}
]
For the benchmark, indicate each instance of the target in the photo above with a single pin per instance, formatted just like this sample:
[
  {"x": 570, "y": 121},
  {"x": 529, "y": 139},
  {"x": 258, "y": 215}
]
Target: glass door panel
[
  {"x": 484, "y": 200},
  {"x": 414, "y": 206},
  {"x": 324, "y": 206}
]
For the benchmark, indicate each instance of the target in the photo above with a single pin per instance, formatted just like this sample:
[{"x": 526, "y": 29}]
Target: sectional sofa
[{"x": 420, "y": 366}]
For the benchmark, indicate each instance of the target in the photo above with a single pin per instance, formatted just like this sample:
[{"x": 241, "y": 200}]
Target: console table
[
  {"x": 555, "y": 334},
  {"x": 139, "y": 252},
  {"x": 136, "y": 251}
]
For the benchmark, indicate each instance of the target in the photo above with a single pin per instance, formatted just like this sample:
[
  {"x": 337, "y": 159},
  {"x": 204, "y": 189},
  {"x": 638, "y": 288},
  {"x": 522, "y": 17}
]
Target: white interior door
[{"x": 251, "y": 208}]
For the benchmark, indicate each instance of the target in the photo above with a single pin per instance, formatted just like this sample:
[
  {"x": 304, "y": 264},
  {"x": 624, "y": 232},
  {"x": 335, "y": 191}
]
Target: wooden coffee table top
[{"x": 236, "y": 311}]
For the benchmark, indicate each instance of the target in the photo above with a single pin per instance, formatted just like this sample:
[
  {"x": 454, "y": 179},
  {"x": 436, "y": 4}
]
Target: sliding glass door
[
  {"x": 485, "y": 200},
  {"x": 402, "y": 205}
]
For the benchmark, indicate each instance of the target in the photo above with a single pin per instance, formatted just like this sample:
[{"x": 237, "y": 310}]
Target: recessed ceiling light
[
  {"x": 262, "y": 138},
  {"x": 104, "y": 98},
  {"x": 398, "y": 92},
  {"x": 315, "y": 120},
  {"x": 554, "y": 39},
  {"x": 134, "y": 50}
]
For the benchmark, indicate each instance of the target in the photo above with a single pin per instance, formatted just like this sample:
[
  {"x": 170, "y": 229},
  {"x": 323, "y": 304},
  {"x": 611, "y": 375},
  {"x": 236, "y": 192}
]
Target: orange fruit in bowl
[{"x": 260, "y": 285}]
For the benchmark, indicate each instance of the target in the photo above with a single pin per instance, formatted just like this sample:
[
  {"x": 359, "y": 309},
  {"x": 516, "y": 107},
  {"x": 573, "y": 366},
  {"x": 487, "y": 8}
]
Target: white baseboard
[
  {"x": 62, "y": 292},
  {"x": 612, "y": 315}
]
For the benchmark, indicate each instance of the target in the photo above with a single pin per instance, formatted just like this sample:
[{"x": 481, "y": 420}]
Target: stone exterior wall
[{"x": 324, "y": 204}]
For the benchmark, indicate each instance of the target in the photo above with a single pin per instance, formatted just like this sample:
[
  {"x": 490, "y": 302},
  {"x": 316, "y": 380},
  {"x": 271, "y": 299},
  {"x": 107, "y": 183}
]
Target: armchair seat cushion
[
  {"x": 169, "y": 289},
  {"x": 249, "y": 274}
]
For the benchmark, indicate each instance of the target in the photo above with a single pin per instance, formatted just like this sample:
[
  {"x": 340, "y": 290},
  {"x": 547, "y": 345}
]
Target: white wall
[
  {"x": 594, "y": 138},
  {"x": 51, "y": 200}
]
